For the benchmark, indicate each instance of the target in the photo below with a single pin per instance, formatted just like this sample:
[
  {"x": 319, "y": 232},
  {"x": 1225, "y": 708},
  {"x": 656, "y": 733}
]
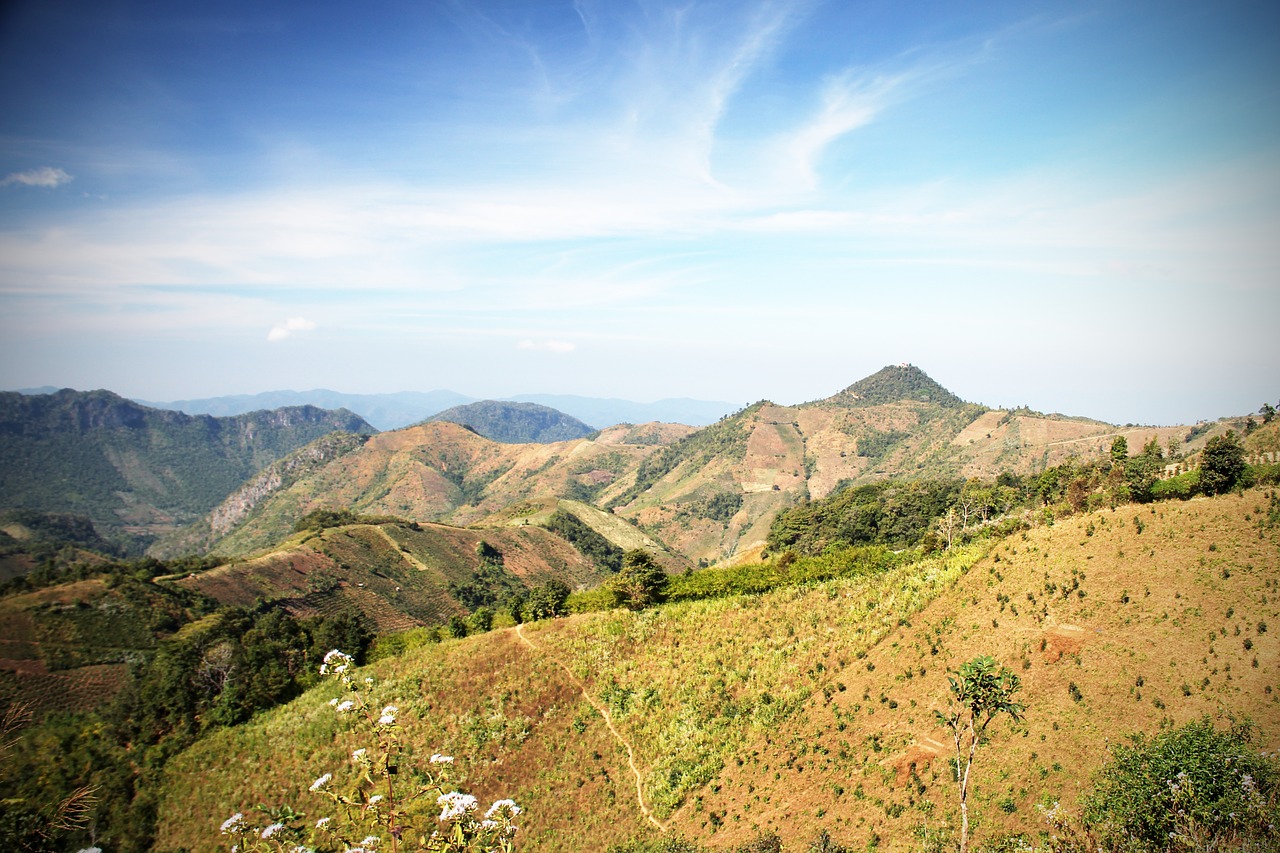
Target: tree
[
  {"x": 547, "y": 601},
  {"x": 1268, "y": 412},
  {"x": 1221, "y": 464},
  {"x": 1119, "y": 451},
  {"x": 983, "y": 692},
  {"x": 639, "y": 583}
]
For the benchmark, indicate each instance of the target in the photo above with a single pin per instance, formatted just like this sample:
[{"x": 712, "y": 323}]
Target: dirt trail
[{"x": 608, "y": 721}]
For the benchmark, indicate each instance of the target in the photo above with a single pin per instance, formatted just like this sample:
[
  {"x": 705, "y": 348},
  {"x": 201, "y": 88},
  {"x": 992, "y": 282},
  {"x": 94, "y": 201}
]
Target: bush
[{"x": 1193, "y": 786}]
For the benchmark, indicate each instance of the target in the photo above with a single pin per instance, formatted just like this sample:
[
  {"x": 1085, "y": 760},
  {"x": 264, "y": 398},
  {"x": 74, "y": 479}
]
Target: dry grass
[{"x": 813, "y": 708}]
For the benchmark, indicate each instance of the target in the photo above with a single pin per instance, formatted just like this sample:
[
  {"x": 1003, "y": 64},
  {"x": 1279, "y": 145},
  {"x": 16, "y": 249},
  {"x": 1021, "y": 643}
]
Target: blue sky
[{"x": 1070, "y": 206}]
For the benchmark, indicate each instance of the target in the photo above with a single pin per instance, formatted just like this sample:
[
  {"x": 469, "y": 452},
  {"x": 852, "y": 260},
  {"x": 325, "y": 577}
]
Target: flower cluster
[{"x": 372, "y": 808}]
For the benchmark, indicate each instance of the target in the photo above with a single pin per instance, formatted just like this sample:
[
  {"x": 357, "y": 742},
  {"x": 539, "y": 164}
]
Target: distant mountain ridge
[
  {"x": 404, "y": 408},
  {"x": 136, "y": 471},
  {"x": 705, "y": 494},
  {"x": 515, "y": 423}
]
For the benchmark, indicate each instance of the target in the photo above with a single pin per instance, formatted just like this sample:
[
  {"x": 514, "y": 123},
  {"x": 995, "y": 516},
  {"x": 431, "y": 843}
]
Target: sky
[{"x": 1070, "y": 206}]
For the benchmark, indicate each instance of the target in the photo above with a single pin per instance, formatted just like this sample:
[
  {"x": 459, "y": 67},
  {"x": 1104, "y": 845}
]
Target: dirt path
[{"x": 608, "y": 721}]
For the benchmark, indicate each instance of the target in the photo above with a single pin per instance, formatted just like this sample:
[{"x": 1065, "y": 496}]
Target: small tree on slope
[{"x": 983, "y": 692}]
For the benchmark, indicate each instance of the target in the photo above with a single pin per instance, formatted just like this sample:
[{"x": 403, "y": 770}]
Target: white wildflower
[
  {"x": 90, "y": 850},
  {"x": 375, "y": 799},
  {"x": 456, "y": 804},
  {"x": 358, "y": 755},
  {"x": 370, "y": 841},
  {"x": 499, "y": 805},
  {"x": 271, "y": 830},
  {"x": 321, "y": 782},
  {"x": 345, "y": 706},
  {"x": 441, "y": 759},
  {"x": 388, "y": 717},
  {"x": 233, "y": 824},
  {"x": 323, "y": 822}
]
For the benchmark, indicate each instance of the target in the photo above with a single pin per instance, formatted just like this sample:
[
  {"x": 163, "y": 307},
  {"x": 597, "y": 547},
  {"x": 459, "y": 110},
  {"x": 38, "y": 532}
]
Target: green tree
[
  {"x": 639, "y": 583},
  {"x": 1119, "y": 451},
  {"x": 980, "y": 692},
  {"x": 547, "y": 601},
  {"x": 1221, "y": 464},
  {"x": 1268, "y": 412}
]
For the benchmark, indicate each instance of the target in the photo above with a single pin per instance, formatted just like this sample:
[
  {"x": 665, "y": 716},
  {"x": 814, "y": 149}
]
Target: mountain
[
  {"x": 383, "y": 411},
  {"x": 708, "y": 494},
  {"x": 137, "y": 472},
  {"x": 436, "y": 471},
  {"x": 895, "y": 384},
  {"x": 812, "y": 708},
  {"x": 515, "y": 423},
  {"x": 401, "y": 409}
]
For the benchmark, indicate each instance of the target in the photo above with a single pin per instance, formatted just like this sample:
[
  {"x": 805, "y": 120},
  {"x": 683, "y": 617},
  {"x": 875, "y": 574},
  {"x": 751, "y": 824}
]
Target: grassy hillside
[
  {"x": 812, "y": 708},
  {"x": 394, "y": 576},
  {"x": 68, "y": 647}
]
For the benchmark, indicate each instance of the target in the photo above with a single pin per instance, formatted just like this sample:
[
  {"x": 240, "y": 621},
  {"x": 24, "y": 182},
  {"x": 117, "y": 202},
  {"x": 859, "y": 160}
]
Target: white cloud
[
  {"x": 280, "y": 331},
  {"x": 45, "y": 176},
  {"x": 547, "y": 346}
]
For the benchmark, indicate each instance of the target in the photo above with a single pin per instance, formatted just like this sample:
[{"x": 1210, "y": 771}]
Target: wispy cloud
[
  {"x": 44, "y": 176},
  {"x": 280, "y": 331}
]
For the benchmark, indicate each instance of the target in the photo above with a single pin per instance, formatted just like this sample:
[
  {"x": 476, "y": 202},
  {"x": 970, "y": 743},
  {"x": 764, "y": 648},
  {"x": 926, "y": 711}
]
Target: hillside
[
  {"x": 442, "y": 472},
  {"x": 137, "y": 472},
  {"x": 395, "y": 576},
  {"x": 714, "y": 494},
  {"x": 812, "y": 708},
  {"x": 515, "y": 423},
  {"x": 708, "y": 494}
]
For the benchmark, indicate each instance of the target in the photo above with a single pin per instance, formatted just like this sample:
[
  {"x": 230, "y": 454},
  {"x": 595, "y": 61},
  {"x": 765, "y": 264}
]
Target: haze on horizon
[{"x": 1073, "y": 209}]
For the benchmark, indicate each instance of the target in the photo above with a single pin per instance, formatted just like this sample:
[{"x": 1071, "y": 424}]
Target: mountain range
[
  {"x": 400, "y": 409},
  {"x": 233, "y": 485}
]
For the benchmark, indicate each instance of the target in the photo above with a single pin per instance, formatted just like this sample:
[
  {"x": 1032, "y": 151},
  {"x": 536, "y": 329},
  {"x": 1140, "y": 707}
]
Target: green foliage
[
  {"x": 875, "y": 445},
  {"x": 897, "y": 514},
  {"x": 1180, "y": 487},
  {"x": 1221, "y": 464},
  {"x": 983, "y": 692},
  {"x": 546, "y": 601},
  {"x": 639, "y": 583},
  {"x": 785, "y": 571},
  {"x": 588, "y": 542},
  {"x": 895, "y": 383},
  {"x": 1196, "y": 787},
  {"x": 515, "y": 423}
]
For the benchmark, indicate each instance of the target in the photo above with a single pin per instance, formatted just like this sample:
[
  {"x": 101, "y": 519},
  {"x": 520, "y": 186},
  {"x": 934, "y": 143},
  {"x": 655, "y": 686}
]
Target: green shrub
[{"x": 1194, "y": 786}]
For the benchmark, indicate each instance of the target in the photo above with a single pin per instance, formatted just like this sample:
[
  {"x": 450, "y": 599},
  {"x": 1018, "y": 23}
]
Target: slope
[
  {"x": 139, "y": 472},
  {"x": 443, "y": 472},
  {"x": 396, "y": 575},
  {"x": 811, "y": 708}
]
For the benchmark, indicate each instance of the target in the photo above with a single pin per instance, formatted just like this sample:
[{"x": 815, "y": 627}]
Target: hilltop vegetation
[{"x": 515, "y": 423}]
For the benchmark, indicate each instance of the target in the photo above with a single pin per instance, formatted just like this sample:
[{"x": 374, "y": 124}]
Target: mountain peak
[{"x": 895, "y": 383}]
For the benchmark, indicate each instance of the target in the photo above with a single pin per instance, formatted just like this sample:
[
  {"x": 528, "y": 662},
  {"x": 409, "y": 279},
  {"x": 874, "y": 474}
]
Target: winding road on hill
[{"x": 608, "y": 721}]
